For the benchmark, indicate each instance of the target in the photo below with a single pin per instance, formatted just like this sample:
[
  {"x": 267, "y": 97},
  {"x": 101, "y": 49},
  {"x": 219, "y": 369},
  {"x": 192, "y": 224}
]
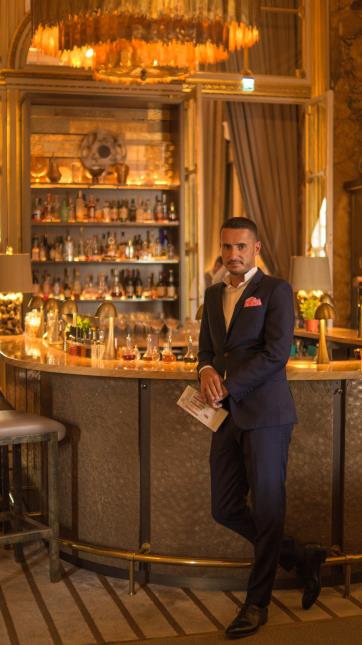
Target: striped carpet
[{"x": 87, "y": 609}]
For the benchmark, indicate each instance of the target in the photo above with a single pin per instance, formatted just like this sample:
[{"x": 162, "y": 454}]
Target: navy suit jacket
[{"x": 253, "y": 352}]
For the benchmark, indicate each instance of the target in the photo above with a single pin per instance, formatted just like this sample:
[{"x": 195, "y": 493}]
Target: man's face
[{"x": 239, "y": 249}]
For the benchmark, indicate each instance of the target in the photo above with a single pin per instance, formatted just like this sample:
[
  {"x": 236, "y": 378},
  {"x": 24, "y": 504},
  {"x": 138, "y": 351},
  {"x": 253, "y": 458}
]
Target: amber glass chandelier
[{"x": 147, "y": 40}]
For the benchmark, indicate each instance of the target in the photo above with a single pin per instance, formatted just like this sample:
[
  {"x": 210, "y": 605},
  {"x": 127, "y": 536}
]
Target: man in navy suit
[{"x": 245, "y": 340}]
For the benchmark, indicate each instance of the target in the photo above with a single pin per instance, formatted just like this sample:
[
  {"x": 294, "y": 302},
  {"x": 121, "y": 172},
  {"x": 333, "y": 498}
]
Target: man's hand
[{"x": 211, "y": 387}]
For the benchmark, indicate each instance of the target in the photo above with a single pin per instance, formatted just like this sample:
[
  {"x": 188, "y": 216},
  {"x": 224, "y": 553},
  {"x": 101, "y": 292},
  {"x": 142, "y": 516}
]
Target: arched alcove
[{"x": 19, "y": 47}]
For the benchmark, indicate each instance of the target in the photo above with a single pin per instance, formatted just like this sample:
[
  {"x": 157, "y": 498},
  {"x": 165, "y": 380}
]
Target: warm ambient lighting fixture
[
  {"x": 148, "y": 40},
  {"x": 15, "y": 279}
]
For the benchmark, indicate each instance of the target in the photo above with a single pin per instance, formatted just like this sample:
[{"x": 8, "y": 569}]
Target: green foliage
[
  {"x": 83, "y": 324},
  {"x": 308, "y": 308}
]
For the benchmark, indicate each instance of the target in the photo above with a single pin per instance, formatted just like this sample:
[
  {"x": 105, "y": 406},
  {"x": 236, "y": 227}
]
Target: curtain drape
[
  {"x": 265, "y": 142},
  {"x": 214, "y": 177}
]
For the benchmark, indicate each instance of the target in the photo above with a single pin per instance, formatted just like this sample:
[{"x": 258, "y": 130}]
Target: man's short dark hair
[{"x": 241, "y": 222}]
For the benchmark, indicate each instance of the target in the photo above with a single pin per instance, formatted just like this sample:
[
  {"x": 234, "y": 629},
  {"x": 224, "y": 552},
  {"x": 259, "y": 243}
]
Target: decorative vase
[
  {"x": 311, "y": 325},
  {"x": 122, "y": 171},
  {"x": 53, "y": 173}
]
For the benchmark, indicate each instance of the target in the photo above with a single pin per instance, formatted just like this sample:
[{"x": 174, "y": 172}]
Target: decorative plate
[{"x": 101, "y": 149}]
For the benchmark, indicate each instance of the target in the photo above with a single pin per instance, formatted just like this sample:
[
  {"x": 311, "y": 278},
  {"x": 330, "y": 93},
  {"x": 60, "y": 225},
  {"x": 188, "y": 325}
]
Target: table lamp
[
  {"x": 309, "y": 274},
  {"x": 15, "y": 279},
  {"x": 324, "y": 312}
]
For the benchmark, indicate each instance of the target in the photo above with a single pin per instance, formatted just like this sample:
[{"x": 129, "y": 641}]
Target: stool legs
[
  {"x": 53, "y": 512},
  {"x": 18, "y": 502}
]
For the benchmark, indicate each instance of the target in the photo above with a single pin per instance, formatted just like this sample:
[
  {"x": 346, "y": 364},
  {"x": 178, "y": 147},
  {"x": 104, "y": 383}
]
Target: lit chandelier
[{"x": 145, "y": 39}]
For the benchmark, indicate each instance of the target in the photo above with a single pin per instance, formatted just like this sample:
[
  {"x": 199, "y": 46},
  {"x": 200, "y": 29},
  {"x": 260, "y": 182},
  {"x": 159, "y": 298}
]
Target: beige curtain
[
  {"x": 214, "y": 177},
  {"x": 265, "y": 143},
  {"x": 279, "y": 49}
]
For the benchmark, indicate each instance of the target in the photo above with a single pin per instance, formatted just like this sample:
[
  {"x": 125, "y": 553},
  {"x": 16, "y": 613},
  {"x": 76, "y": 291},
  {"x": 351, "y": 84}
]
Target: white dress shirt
[{"x": 232, "y": 294}]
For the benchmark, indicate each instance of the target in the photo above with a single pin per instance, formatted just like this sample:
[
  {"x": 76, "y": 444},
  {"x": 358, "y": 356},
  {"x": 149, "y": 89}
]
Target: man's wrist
[{"x": 205, "y": 367}]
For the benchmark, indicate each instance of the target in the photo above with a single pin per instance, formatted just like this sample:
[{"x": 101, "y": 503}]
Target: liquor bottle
[
  {"x": 91, "y": 207},
  {"x": 137, "y": 243},
  {"x": 47, "y": 288},
  {"x": 151, "y": 354},
  {"x": 148, "y": 215},
  {"x": 81, "y": 246},
  {"x": 56, "y": 209},
  {"x": 98, "y": 211},
  {"x": 140, "y": 212},
  {"x": 71, "y": 208},
  {"x": 157, "y": 248},
  {"x": 37, "y": 211},
  {"x": 129, "y": 352},
  {"x": 122, "y": 247},
  {"x": 36, "y": 285},
  {"x": 80, "y": 207},
  {"x": 77, "y": 286},
  {"x": 130, "y": 250},
  {"x": 35, "y": 250},
  {"x": 57, "y": 288},
  {"x": 167, "y": 354},
  {"x": 130, "y": 288},
  {"x": 67, "y": 288},
  {"x": 102, "y": 286},
  {"x": 171, "y": 289},
  {"x": 153, "y": 287},
  {"x": 68, "y": 249},
  {"x": 123, "y": 211},
  {"x": 114, "y": 212},
  {"x": 43, "y": 252},
  {"x": 157, "y": 210},
  {"x": 172, "y": 215},
  {"x": 116, "y": 287},
  {"x": 64, "y": 211},
  {"x": 190, "y": 358},
  {"x": 161, "y": 287},
  {"x": 138, "y": 285},
  {"x": 132, "y": 211},
  {"x": 106, "y": 212},
  {"x": 164, "y": 207}
]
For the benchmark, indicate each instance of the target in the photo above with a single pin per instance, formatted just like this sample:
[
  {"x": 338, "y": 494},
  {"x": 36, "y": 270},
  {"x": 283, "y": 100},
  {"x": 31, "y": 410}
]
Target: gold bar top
[{"x": 36, "y": 354}]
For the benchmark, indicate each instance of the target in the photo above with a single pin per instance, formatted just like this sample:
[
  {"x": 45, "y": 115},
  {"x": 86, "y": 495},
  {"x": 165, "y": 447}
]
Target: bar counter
[{"x": 134, "y": 471}]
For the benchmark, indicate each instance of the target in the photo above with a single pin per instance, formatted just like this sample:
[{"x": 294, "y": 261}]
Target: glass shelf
[
  {"x": 131, "y": 300},
  {"x": 101, "y": 262},
  {"x": 119, "y": 224},
  {"x": 41, "y": 186}
]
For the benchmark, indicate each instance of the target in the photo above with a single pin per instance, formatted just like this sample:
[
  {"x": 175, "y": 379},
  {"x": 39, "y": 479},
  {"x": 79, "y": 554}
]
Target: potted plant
[{"x": 308, "y": 308}]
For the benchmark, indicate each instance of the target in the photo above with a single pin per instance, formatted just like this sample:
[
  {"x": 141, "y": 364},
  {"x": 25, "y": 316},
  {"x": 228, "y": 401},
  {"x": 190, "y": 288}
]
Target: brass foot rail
[{"x": 345, "y": 560}]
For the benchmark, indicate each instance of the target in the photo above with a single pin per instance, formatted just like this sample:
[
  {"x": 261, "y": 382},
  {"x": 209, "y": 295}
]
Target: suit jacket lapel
[{"x": 253, "y": 284}]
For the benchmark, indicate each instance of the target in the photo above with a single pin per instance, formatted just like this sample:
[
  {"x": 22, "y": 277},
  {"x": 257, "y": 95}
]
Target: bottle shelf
[
  {"x": 46, "y": 186},
  {"x": 101, "y": 262},
  {"x": 130, "y": 300},
  {"x": 102, "y": 224}
]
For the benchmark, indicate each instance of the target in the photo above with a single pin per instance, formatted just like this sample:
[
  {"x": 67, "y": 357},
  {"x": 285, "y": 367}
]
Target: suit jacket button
[{"x": 226, "y": 354}]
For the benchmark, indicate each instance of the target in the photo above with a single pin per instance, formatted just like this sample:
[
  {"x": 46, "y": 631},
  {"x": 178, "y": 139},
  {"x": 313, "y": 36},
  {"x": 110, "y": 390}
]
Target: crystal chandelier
[{"x": 147, "y": 40}]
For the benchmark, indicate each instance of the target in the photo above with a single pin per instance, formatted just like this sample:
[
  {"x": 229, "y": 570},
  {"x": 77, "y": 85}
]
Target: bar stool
[{"x": 17, "y": 428}]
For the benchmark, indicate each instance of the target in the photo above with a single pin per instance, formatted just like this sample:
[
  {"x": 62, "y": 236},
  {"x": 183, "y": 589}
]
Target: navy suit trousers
[{"x": 255, "y": 461}]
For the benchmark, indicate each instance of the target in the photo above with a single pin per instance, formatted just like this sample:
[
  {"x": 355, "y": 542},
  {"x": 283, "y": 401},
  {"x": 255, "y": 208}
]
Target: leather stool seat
[
  {"x": 19, "y": 424},
  {"x": 17, "y": 428}
]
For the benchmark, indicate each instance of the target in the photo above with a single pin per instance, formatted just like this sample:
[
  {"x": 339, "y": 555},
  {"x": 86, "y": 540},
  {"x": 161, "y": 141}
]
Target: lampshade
[
  {"x": 15, "y": 273},
  {"x": 310, "y": 274},
  {"x": 117, "y": 37}
]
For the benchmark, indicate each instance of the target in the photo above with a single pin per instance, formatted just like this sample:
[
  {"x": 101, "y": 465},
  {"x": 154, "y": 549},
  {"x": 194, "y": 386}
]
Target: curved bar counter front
[{"x": 134, "y": 472}]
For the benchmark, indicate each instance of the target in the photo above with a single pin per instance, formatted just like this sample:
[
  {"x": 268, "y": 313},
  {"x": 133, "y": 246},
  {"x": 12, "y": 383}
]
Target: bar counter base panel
[{"x": 134, "y": 468}]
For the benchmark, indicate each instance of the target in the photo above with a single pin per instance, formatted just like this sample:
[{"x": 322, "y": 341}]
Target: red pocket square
[{"x": 252, "y": 302}]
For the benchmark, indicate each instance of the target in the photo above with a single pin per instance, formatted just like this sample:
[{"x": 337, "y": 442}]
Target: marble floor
[{"x": 86, "y": 609}]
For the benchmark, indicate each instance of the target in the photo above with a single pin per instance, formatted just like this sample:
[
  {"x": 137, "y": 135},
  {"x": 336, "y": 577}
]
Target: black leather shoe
[
  {"x": 247, "y": 622},
  {"x": 309, "y": 570}
]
